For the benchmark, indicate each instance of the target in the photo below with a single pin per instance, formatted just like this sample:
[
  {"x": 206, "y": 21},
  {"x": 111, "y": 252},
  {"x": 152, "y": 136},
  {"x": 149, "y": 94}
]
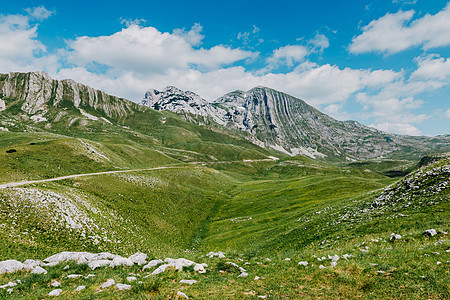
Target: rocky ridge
[
  {"x": 36, "y": 92},
  {"x": 276, "y": 120}
]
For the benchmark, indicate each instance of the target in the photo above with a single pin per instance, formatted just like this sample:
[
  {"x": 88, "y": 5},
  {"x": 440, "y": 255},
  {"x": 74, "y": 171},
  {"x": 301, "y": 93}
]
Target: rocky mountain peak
[{"x": 277, "y": 120}]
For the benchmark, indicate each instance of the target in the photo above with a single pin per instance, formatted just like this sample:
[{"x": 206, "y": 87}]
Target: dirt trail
[{"x": 19, "y": 183}]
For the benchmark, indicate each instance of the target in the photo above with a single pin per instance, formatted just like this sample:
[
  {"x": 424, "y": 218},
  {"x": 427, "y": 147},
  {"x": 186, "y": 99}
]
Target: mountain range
[
  {"x": 276, "y": 120},
  {"x": 267, "y": 118}
]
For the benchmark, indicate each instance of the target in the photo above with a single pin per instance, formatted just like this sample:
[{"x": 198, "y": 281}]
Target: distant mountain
[
  {"x": 35, "y": 92},
  {"x": 267, "y": 118},
  {"x": 282, "y": 122},
  {"x": 34, "y": 102}
]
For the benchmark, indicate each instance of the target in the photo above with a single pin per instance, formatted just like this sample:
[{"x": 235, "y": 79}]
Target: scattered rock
[
  {"x": 11, "y": 265},
  {"x": 200, "y": 268},
  {"x": 287, "y": 259},
  {"x": 243, "y": 274},
  {"x": 160, "y": 269},
  {"x": 303, "y": 263},
  {"x": 152, "y": 264},
  {"x": 9, "y": 284},
  {"x": 181, "y": 294},
  {"x": 55, "y": 283},
  {"x": 138, "y": 258},
  {"x": 131, "y": 278},
  {"x": 395, "y": 237},
  {"x": 346, "y": 256},
  {"x": 322, "y": 267},
  {"x": 219, "y": 254},
  {"x": 179, "y": 263},
  {"x": 80, "y": 288},
  {"x": 56, "y": 292},
  {"x": 334, "y": 257},
  {"x": 430, "y": 232},
  {"x": 187, "y": 281},
  {"x": 70, "y": 276},
  {"x": 39, "y": 270},
  {"x": 121, "y": 261},
  {"x": 99, "y": 263},
  {"x": 33, "y": 263},
  {"x": 257, "y": 278},
  {"x": 107, "y": 283},
  {"x": 122, "y": 286}
]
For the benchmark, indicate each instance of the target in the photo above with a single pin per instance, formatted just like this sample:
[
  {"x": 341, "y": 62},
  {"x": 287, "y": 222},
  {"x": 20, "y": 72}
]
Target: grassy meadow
[{"x": 218, "y": 195}]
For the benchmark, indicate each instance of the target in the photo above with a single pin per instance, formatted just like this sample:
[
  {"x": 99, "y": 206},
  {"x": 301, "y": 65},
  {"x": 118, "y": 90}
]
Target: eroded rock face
[
  {"x": 37, "y": 90},
  {"x": 11, "y": 265},
  {"x": 276, "y": 120}
]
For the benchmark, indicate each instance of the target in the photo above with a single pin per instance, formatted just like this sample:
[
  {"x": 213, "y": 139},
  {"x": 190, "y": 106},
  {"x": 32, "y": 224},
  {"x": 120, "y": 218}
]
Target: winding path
[{"x": 19, "y": 183}]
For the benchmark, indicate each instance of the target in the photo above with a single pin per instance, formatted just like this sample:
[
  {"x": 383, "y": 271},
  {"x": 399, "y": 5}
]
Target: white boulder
[
  {"x": 219, "y": 254},
  {"x": 12, "y": 265},
  {"x": 107, "y": 283},
  {"x": 121, "y": 261},
  {"x": 200, "y": 268},
  {"x": 39, "y": 270},
  {"x": 152, "y": 264},
  {"x": 56, "y": 292},
  {"x": 99, "y": 263},
  {"x": 138, "y": 258},
  {"x": 55, "y": 283},
  {"x": 9, "y": 284},
  {"x": 430, "y": 232},
  {"x": 188, "y": 281},
  {"x": 123, "y": 286}
]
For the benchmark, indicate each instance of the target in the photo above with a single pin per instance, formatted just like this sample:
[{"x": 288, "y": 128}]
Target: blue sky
[{"x": 383, "y": 63}]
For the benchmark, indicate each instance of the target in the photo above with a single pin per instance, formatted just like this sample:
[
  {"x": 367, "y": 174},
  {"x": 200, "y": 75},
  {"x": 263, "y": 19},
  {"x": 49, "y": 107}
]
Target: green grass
[{"x": 295, "y": 207}]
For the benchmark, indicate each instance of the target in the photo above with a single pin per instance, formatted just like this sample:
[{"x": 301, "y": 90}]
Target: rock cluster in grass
[{"x": 97, "y": 260}]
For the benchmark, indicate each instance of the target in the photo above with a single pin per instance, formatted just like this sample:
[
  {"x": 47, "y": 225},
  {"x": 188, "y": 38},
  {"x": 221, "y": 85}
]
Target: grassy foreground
[{"x": 258, "y": 212}]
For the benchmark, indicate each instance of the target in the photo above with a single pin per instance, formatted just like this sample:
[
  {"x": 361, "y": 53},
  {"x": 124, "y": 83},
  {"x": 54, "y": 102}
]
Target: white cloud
[
  {"x": 129, "y": 22},
  {"x": 248, "y": 36},
  {"x": 18, "y": 39},
  {"x": 409, "y": 2},
  {"x": 399, "y": 128},
  {"x": 147, "y": 50},
  {"x": 287, "y": 55},
  {"x": 433, "y": 67},
  {"x": 193, "y": 36},
  {"x": 319, "y": 42},
  {"x": 336, "y": 111},
  {"x": 136, "y": 58},
  {"x": 447, "y": 114},
  {"x": 393, "y": 33},
  {"x": 39, "y": 13}
]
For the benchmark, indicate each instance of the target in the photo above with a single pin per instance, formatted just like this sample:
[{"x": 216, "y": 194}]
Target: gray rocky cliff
[
  {"x": 36, "y": 91},
  {"x": 277, "y": 120}
]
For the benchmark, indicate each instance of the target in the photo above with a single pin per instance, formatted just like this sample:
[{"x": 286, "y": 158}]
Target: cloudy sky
[{"x": 384, "y": 63}]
